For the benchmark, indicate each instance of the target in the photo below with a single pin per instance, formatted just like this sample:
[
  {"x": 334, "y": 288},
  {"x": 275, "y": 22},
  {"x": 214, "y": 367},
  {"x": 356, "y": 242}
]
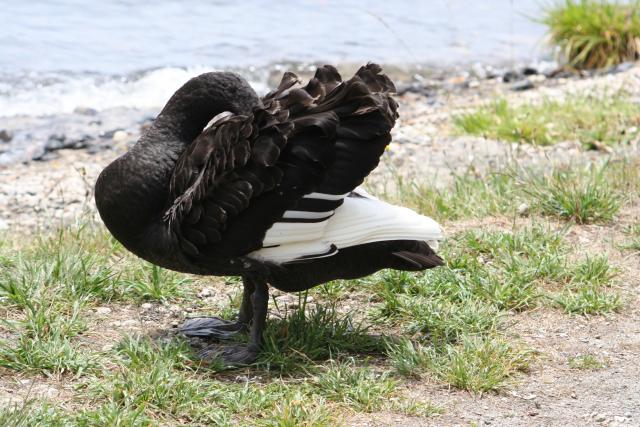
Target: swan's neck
[{"x": 133, "y": 191}]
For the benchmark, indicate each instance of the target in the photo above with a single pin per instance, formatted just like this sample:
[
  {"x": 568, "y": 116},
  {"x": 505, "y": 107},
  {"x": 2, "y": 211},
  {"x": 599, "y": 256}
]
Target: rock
[
  {"x": 45, "y": 391},
  {"x": 510, "y": 76},
  {"x": 5, "y": 135},
  {"x": 522, "y": 85},
  {"x": 103, "y": 310},
  {"x": 61, "y": 141},
  {"x": 120, "y": 136},
  {"x": 85, "y": 111},
  {"x": 129, "y": 323},
  {"x": 600, "y": 418},
  {"x": 110, "y": 133},
  {"x": 205, "y": 293},
  {"x": 146, "y": 306},
  {"x": 529, "y": 71},
  {"x": 479, "y": 70},
  {"x": 523, "y": 209},
  {"x": 622, "y": 67}
]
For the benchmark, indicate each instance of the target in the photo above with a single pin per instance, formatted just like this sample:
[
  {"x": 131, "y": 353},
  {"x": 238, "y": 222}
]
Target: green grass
[
  {"x": 594, "y": 33},
  {"x": 361, "y": 389},
  {"x": 583, "y": 196},
  {"x": 586, "y": 362},
  {"x": 470, "y": 195},
  {"x": 151, "y": 282},
  {"x": 576, "y": 193},
  {"x": 475, "y": 363},
  {"x": 590, "y": 120},
  {"x": 588, "y": 299},
  {"x": 319, "y": 333},
  {"x": 633, "y": 242}
]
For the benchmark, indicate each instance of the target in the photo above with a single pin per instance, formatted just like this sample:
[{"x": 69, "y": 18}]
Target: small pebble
[
  {"x": 120, "y": 136},
  {"x": 103, "y": 310},
  {"x": 146, "y": 306},
  {"x": 5, "y": 135},
  {"x": 205, "y": 293},
  {"x": 522, "y": 85},
  {"x": 523, "y": 209}
]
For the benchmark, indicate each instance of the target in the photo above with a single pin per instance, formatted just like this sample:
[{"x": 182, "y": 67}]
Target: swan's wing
[{"x": 292, "y": 161}]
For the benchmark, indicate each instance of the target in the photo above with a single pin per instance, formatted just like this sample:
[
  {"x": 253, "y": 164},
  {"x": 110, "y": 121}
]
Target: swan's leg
[
  {"x": 216, "y": 328},
  {"x": 245, "y": 353}
]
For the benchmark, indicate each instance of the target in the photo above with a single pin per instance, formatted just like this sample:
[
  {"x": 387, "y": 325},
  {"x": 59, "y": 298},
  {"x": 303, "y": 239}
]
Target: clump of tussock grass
[
  {"x": 594, "y": 33},
  {"x": 583, "y": 196},
  {"x": 30, "y": 414},
  {"x": 470, "y": 195},
  {"x": 475, "y": 363},
  {"x": 150, "y": 282},
  {"x": 586, "y": 362},
  {"x": 361, "y": 389},
  {"x": 585, "y": 291},
  {"x": 306, "y": 335},
  {"x": 588, "y": 299},
  {"x": 49, "y": 283},
  {"x": 594, "y": 270},
  {"x": 487, "y": 272},
  {"x": 589, "y": 119},
  {"x": 43, "y": 339},
  {"x": 457, "y": 312},
  {"x": 633, "y": 242},
  {"x": 589, "y": 192},
  {"x": 299, "y": 411}
]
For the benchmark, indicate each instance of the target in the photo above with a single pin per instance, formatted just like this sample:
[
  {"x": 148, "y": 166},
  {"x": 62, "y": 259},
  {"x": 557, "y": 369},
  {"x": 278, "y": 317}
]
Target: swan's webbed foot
[
  {"x": 220, "y": 329},
  {"x": 253, "y": 309},
  {"x": 212, "y": 327},
  {"x": 233, "y": 355}
]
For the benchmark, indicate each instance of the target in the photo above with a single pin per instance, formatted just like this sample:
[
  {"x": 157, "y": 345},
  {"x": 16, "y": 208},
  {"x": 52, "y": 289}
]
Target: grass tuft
[
  {"x": 478, "y": 363},
  {"x": 320, "y": 333},
  {"x": 475, "y": 363},
  {"x": 586, "y": 362},
  {"x": 634, "y": 238},
  {"x": 594, "y": 33},
  {"x": 589, "y": 299},
  {"x": 151, "y": 282},
  {"x": 358, "y": 388},
  {"x": 583, "y": 196},
  {"x": 590, "y": 120}
]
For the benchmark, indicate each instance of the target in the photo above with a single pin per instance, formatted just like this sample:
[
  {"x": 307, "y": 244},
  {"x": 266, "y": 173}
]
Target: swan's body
[{"x": 226, "y": 183}]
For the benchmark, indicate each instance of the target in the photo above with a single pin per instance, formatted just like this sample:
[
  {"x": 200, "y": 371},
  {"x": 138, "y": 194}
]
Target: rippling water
[{"x": 58, "y": 54}]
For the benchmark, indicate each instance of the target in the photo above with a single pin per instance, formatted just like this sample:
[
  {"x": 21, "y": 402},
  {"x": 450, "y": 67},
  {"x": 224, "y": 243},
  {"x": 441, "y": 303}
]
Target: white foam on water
[{"x": 53, "y": 93}]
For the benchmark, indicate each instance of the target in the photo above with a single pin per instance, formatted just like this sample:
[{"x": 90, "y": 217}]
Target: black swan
[{"x": 227, "y": 183}]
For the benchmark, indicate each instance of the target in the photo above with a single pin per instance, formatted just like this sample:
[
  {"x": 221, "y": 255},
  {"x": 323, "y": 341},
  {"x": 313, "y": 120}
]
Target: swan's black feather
[
  {"x": 325, "y": 137},
  {"x": 199, "y": 197},
  {"x": 219, "y": 167}
]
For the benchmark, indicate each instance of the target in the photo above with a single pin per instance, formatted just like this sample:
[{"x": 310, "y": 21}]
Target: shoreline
[{"x": 49, "y": 163}]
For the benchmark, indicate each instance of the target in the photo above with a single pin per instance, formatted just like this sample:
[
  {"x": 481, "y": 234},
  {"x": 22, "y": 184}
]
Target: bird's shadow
[{"x": 295, "y": 340}]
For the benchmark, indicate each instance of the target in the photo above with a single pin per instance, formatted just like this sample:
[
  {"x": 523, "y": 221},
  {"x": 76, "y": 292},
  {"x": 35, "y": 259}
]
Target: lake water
[{"x": 56, "y": 55}]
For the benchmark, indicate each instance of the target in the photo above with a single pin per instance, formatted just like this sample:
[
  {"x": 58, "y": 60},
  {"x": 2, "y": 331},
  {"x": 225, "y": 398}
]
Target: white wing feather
[{"x": 359, "y": 220}]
